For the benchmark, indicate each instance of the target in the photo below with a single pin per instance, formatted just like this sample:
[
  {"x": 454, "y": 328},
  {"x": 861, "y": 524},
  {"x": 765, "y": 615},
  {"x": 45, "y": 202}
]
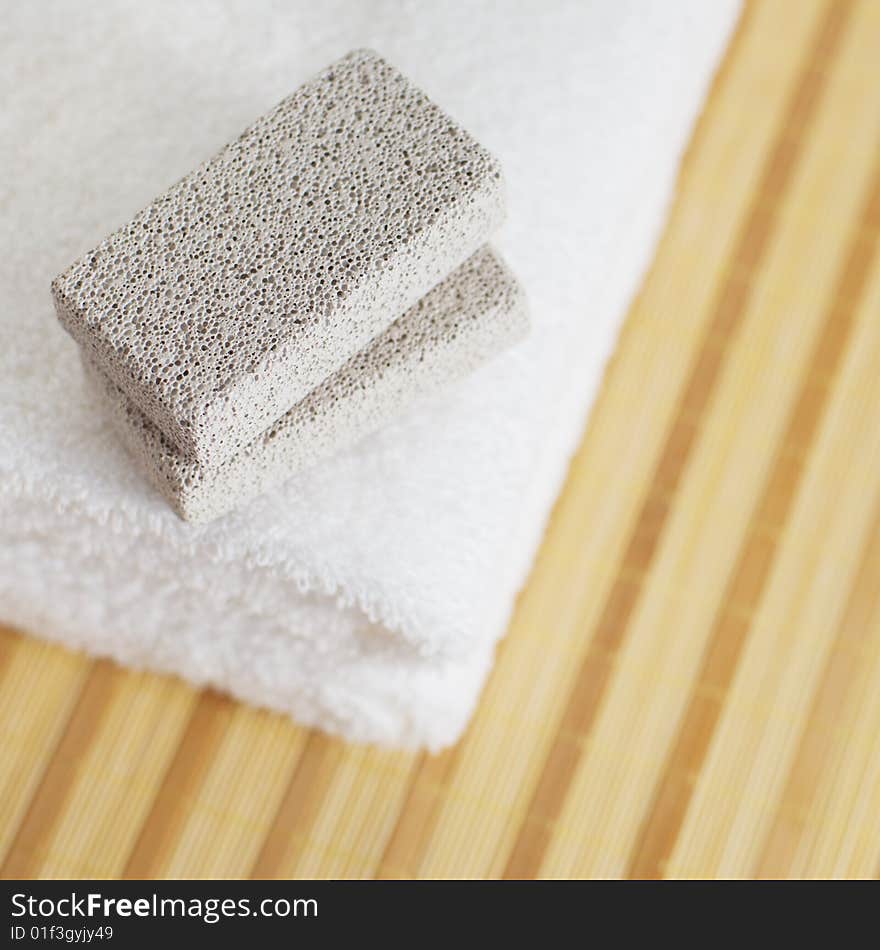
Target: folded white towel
[{"x": 366, "y": 595}]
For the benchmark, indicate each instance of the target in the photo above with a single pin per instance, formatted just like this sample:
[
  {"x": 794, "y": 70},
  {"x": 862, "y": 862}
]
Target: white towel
[{"x": 367, "y": 595}]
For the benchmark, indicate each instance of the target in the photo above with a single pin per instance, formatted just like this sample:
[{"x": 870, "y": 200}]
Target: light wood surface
[{"x": 691, "y": 682}]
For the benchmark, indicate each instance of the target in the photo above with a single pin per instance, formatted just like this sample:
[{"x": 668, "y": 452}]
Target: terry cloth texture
[{"x": 367, "y": 594}]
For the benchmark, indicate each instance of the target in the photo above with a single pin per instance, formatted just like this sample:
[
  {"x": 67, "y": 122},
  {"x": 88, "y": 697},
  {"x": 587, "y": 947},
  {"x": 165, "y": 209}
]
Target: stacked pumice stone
[{"x": 291, "y": 293}]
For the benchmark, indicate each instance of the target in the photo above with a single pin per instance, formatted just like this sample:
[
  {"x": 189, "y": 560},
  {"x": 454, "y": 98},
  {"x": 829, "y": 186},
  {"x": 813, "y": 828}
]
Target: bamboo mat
[{"x": 691, "y": 683}]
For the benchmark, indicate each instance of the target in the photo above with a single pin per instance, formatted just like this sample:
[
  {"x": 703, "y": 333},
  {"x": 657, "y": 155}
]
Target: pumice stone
[
  {"x": 476, "y": 312},
  {"x": 258, "y": 275}
]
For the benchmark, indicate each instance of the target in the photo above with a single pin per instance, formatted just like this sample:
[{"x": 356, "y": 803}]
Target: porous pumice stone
[
  {"x": 475, "y": 313},
  {"x": 259, "y": 274}
]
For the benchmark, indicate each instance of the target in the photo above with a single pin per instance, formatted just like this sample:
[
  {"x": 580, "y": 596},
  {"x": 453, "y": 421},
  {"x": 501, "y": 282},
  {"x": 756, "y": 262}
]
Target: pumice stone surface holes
[
  {"x": 258, "y": 275},
  {"x": 475, "y": 313}
]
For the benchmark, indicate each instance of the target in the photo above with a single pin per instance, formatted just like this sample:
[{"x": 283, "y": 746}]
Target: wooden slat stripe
[
  {"x": 841, "y": 839},
  {"x": 754, "y": 564},
  {"x": 352, "y": 829},
  {"x": 39, "y": 691},
  {"x": 793, "y": 626},
  {"x": 237, "y": 797},
  {"x": 129, "y": 754},
  {"x": 809, "y": 818},
  {"x": 47, "y": 805},
  {"x": 597, "y": 667},
  {"x": 842, "y": 669},
  {"x": 299, "y": 806},
  {"x": 8, "y": 640},
  {"x": 185, "y": 774},
  {"x": 416, "y": 821}
]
